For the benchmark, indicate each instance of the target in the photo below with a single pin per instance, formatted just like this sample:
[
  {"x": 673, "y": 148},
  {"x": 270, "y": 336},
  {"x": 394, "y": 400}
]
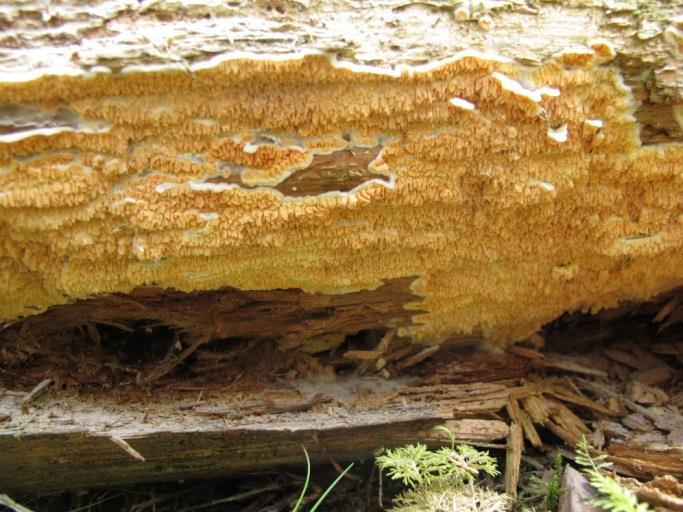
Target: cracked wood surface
[{"x": 228, "y": 435}]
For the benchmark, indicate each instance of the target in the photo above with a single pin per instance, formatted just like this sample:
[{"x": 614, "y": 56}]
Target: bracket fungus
[{"x": 506, "y": 193}]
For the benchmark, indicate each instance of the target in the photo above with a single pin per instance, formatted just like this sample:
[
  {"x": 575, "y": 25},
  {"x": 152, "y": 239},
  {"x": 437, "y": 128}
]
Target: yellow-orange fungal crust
[{"x": 528, "y": 196}]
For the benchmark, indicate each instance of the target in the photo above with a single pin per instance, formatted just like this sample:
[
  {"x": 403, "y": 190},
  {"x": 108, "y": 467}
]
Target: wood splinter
[
  {"x": 36, "y": 392},
  {"x": 121, "y": 443},
  {"x": 513, "y": 458}
]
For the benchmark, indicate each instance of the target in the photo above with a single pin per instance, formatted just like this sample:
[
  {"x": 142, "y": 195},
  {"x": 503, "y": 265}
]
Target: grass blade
[
  {"x": 308, "y": 478},
  {"x": 327, "y": 491}
]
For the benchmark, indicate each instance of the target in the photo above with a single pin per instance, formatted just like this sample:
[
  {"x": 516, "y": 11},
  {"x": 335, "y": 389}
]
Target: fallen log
[
  {"x": 71, "y": 442},
  {"x": 184, "y": 184}
]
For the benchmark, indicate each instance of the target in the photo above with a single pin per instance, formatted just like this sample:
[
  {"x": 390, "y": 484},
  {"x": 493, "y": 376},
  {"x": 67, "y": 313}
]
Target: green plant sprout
[
  {"x": 546, "y": 495},
  {"x": 308, "y": 479},
  {"x": 612, "y": 496},
  {"x": 442, "y": 479},
  {"x": 415, "y": 464}
]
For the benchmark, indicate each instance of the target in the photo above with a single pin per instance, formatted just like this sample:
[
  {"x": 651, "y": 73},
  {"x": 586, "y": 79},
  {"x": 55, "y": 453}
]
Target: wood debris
[
  {"x": 513, "y": 458},
  {"x": 121, "y": 443},
  {"x": 36, "y": 391},
  {"x": 568, "y": 363},
  {"x": 476, "y": 430},
  {"x": 662, "y": 491},
  {"x": 624, "y": 394}
]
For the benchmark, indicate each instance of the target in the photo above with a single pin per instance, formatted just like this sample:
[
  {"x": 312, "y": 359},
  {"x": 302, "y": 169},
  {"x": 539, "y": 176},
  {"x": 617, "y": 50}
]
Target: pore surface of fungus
[{"x": 512, "y": 193}]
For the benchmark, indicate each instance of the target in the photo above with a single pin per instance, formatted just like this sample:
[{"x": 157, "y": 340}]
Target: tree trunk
[{"x": 182, "y": 182}]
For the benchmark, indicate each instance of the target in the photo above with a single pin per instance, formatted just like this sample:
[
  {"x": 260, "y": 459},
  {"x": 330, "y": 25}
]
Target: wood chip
[
  {"x": 536, "y": 341},
  {"x": 473, "y": 430},
  {"x": 564, "y": 423},
  {"x": 93, "y": 333},
  {"x": 659, "y": 498},
  {"x": 613, "y": 430},
  {"x": 362, "y": 355},
  {"x": 527, "y": 353},
  {"x": 668, "y": 349},
  {"x": 419, "y": 357},
  {"x": 563, "y": 433},
  {"x": 637, "y": 422},
  {"x": 653, "y": 376},
  {"x": 399, "y": 353},
  {"x": 647, "y": 395},
  {"x": 121, "y": 443},
  {"x": 666, "y": 310},
  {"x": 571, "y": 364},
  {"x": 322, "y": 343},
  {"x": 625, "y": 358},
  {"x": 36, "y": 391},
  {"x": 512, "y": 408},
  {"x": 646, "y": 460},
  {"x": 535, "y": 407},
  {"x": 530, "y": 431},
  {"x": 513, "y": 458},
  {"x": 675, "y": 437},
  {"x": 649, "y": 360},
  {"x": 665, "y": 418},
  {"x": 564, "y": 394},
  {"x": 385, "y": 342},
  {"x": 465, "y": 399}
]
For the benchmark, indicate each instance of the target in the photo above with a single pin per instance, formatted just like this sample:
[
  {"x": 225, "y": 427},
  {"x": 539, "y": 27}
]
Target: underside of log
[{"x": 234, "y": 407}]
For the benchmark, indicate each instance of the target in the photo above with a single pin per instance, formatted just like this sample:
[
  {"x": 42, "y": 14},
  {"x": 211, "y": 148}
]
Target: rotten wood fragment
[
  {"x": 121, "y": 443},
  {"x": 418, "y": 358},
  {"x": 475, "y": 430},
  {"x": 513, "y": 458},
  {"x": 465, "y": 399},
  {"x": 566, "y": 395},
  {"x": 645, "y": 460},
  {"x": 653, "y": 376},
  {"x": 263, "y": 407},
  {"x": 530, "y": 431},
  {"x": 36, "y": 392},
  {"x": 662, "y": 491},
  {"x": 564, "y": 423},
  {"x": 225, "y": 317},
  {"x": 568, "y": 363},
  {"x": 362, "y": 355}
]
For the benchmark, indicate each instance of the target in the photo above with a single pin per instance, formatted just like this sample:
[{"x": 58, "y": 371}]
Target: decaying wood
[
  {"x": 297, "y": 320},
  {"x": 648, "y": 460},
  {"x": 323, "y": 186},
  {"x": 513, "y": 459},
  {"x": 663, "y": 491},
  {"x": 80, "y": 441},
  {"x": 186, "y": 431}
]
